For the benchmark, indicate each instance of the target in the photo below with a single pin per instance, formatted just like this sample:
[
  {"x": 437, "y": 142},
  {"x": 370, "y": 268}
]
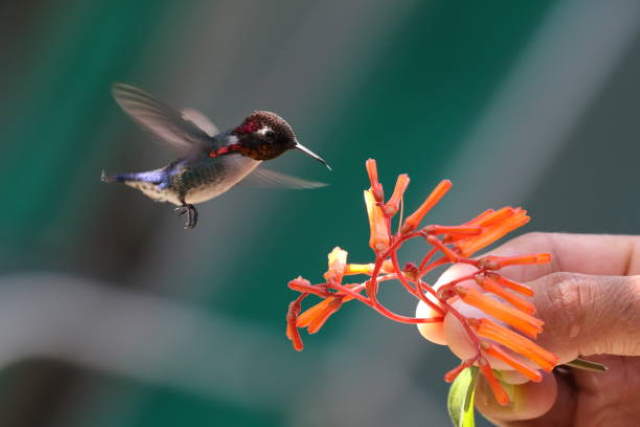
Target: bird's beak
[{"x": 311, "y": 154}]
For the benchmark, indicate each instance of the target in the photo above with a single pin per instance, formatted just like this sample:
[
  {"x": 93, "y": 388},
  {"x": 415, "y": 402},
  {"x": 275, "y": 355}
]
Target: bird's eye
[{"x": 270, "y": 134}]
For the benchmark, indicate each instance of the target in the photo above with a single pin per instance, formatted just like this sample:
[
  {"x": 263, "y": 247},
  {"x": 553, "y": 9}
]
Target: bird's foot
[{"x": 192, "y": 215}]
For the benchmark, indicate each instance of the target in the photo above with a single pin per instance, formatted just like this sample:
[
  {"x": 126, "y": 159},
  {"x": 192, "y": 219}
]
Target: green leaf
[{"x": 460, "y": 400}]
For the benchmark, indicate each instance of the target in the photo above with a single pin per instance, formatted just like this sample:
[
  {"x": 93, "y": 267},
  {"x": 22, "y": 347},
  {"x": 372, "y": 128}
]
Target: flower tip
[
  {"x": 498, "y": 391},
  {"x": 379, "y": 239},
  {"x": 432, "y": 199},
  {"x": 372, "y": 169},
  {"x": 337, "y": 265},
  {"x": 393, "y": 205},
  {"x": 376, "y": 187},
  {"x": 294, "y": 336}
]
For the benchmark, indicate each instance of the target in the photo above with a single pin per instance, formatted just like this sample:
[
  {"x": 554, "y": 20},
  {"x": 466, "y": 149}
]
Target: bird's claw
[{"x": 192, "y": 215}]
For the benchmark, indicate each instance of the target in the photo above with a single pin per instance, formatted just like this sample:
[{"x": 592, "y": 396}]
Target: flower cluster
[{"x": 507, "y": 331}]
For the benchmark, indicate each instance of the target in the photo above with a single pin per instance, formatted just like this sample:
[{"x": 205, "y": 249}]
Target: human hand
[{"x": 589, "y": 298}]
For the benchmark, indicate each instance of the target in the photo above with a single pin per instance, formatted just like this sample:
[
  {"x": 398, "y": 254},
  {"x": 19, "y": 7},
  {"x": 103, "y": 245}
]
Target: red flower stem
[
  {"x": 318, "y": 290},
  {"x": 433, "y": 265},
  {"x": 449, "y": 253},
  {"x": 462, "y": 230},
  {"x": 463, "y": 321},
  {"x": 358, "y": 287},
  {"x": 427, "y": 258},
  {"x": 417, "y": 292},
  {"x": 439, "y": 245},
  {"x": 452, "y": 374},
  {"x": 452, "y": 283},
  {"x": 382, "y": 309},
  {"x": 342, "y": 289},
  {"x": 372, "y": 284}
]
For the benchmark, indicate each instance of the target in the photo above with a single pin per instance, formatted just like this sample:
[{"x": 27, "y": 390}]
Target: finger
[
  {"x": 577, "y": 253},
  {"x": 586, "y": 314},
  {"x": 548, "y": 403},
  {"x": 580, "y": 253}
]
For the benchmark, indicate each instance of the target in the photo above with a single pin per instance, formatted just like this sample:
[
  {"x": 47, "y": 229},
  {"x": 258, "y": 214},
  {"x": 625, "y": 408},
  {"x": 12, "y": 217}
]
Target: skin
[{"x": 589, "y": 298}]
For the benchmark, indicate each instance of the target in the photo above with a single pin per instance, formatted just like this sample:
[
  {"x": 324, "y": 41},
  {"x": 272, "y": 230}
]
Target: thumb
[{"x": 586, "y": 314}]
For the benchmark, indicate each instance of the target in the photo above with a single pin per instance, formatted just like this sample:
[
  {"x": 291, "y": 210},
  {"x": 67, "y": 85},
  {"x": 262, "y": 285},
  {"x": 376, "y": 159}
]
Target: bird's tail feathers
[{"x": 104, "y": 177}]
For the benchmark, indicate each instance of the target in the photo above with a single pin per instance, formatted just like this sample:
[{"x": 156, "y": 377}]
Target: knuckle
[
  {"x": 566, "y": 293},
  {"x": 593, "y": 314},
  {"x": 562, "y": 300}
]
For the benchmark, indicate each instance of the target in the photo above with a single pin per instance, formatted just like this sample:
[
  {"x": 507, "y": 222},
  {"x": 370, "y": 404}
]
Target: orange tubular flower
[
  {"x": 376, "y": 188},
  {"x": 495, "y": 262},
  {"x": 496, "y": 388},
  {"x": 495, "y": 351},
  {"x": 316, "y": 316},
  {"x": 510, "y": 315},
  {"x": 393, "y": 205},
  {"x": 515, "y": 286},
  {"x": 438, "y": 193},
  {"x": 494, "y": 287},
  {"x": 498, "y": 297},
  {"x": 496, "y": 225},
  {"x": 353, "y": 269},
  {"x": 379, "y": 240},
  {"x": 487, "y": 328}
]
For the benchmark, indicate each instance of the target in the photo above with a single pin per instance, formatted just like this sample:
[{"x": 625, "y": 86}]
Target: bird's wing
[
  {"x": 163, "y": 121},
  {"x": 201, "y": 121},
  {"x": 262, "y": 177}
]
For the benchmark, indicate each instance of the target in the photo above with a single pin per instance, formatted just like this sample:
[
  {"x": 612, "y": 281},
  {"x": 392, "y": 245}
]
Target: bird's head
[{"x": 264, "y": 136}]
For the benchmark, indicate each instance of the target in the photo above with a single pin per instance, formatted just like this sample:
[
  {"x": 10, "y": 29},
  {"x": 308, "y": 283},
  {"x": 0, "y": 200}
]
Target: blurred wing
[
  {"x": 261, "y": 177},
  {"x": 162, "y": 120},
  {"x": 200, "y": 120}
]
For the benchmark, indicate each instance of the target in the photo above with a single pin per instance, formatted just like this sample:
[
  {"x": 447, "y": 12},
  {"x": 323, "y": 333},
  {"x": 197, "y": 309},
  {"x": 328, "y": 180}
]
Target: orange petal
[
  {"x": 393, "y": 205},
  {"x": 379, "y": 240},
  {"x": 312, "y": 312},
  {"x": 494, "y": 287},
  {"x": 496, "y": 217},
  {"x": 412, "y": 222},
  {"x": 496, "y": 388},
  {"x": 524, "y": 322},
  {"x": 507, "y": 283},
  {"x": 521, "y": 345},
  {"x": 461, "y": 231},
  {"x": 543, "y": 258},
  {"x": 317, "y": 322},
  {"x": 376, "y": 187},
  {"x": 510, "y": 220},
  {"x": 314, "y": 317},
  {"x": 532, "y": 374},
  {"x": 292, "y": 331},
  {"x": 352, "y": 269},
  {"x": 480, "y": 218},
  {"x": 294, "y": 335}
]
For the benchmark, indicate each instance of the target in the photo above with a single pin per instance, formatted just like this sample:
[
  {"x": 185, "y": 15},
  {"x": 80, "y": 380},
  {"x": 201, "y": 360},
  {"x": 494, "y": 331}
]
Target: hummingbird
[{"x": 210, "y": 162}]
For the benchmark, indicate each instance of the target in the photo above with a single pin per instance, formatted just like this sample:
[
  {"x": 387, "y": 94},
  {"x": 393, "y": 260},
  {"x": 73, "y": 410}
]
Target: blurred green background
[{"x": 112, "y": 315}]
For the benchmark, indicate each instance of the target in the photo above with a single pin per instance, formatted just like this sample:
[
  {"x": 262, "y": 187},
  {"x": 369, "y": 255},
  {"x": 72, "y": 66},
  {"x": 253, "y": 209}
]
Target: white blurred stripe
[
  {"x": 564, "y": 68},
  {"x": 142, "y": 337}
]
